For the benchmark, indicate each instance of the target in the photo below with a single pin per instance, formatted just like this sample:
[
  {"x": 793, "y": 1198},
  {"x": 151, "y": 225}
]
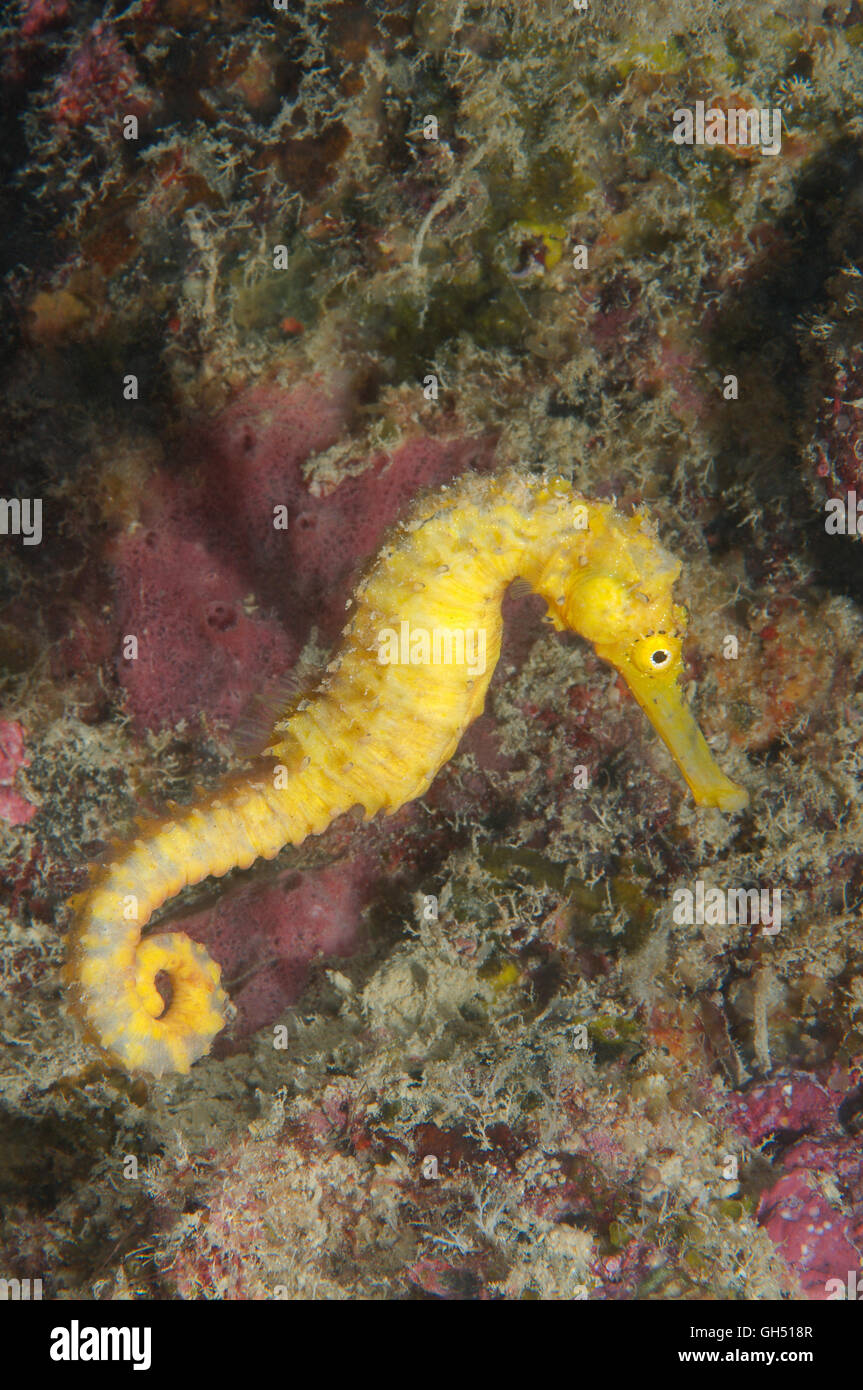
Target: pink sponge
[
  {"x": 820, "y": 1236},
  {"x": 39, "y": 15},
  {"x": 14, "y": 808},
  {"x": 252, "y": 459},
  {"x": 213, "y": 546},
  {"x": 197, "y": 649},
  {"x": 266, "y": 939},
  {"x": 99, "y": 81},
  {"x": 816, "y": 1236}
]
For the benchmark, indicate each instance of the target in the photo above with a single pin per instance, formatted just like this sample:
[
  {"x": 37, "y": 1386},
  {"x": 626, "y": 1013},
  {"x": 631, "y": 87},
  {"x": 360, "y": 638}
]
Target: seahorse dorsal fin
[
  {"x": 265, "y": 711},
  {"x": 520, "y": 588}
]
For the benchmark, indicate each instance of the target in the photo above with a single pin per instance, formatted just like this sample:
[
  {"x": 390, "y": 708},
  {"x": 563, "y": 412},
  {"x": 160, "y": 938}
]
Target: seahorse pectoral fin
[{"x": 673, "y": 720}]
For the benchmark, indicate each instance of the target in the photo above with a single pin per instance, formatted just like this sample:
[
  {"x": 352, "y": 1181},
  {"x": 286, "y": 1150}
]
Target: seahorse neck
[{"x": 545, "y": 525}]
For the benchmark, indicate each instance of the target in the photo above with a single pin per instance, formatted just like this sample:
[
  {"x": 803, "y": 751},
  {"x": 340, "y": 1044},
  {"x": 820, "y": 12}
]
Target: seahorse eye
[{"x": 655, "y": 653}]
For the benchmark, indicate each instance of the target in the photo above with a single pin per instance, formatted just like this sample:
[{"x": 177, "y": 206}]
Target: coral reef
[{"x": 322, "y": 258}]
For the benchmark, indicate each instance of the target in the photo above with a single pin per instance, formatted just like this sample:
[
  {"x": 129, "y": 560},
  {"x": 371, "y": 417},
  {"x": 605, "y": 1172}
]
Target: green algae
[
  {"x": 615, "y": 1038},
  {"x": 265, "y": 301}
]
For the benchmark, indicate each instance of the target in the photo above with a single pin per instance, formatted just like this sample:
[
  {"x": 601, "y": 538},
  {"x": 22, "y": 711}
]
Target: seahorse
[{"x": 378, "y": 727}]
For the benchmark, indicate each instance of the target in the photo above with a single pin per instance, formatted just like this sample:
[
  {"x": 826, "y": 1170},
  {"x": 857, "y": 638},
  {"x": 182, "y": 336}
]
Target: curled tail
[{"x": 114, "y": 974}]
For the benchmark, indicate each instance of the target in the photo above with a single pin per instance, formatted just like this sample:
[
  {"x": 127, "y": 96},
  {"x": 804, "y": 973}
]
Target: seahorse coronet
[{"x": 375, "y": 733}]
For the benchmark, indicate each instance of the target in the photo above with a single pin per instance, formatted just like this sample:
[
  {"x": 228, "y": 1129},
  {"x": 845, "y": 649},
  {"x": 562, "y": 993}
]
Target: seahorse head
[{"x": 616, "y": 589}]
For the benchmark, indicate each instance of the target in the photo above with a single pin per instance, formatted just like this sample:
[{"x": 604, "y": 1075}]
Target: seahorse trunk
[{"x": 113, "y": 972}]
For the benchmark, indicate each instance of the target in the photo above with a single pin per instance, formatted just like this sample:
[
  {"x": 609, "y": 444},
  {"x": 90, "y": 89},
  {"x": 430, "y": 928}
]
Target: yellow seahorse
[{"x": 378, "y": 728}]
